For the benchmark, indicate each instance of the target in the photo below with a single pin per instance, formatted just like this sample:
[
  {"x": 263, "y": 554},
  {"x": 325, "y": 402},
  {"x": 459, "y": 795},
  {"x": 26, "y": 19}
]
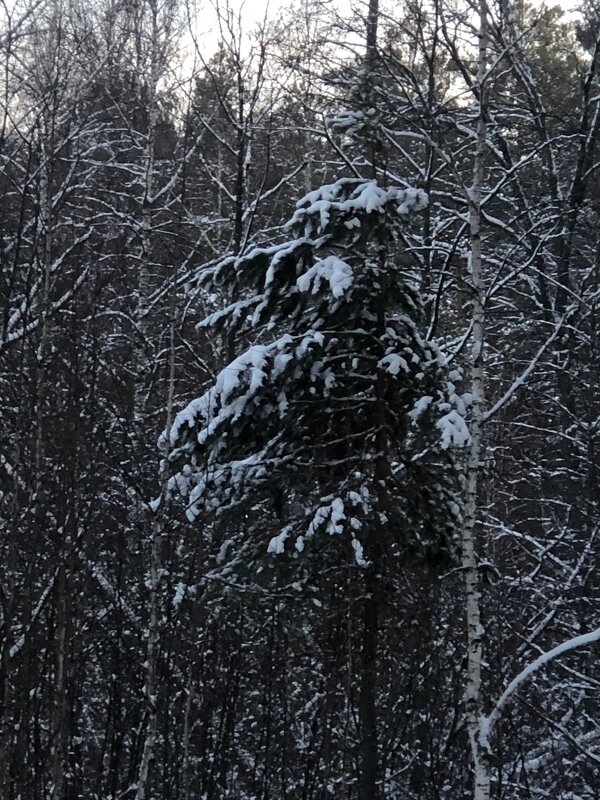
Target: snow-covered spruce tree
[
  {"x": 348, "y": 405},
  {"x": 338, "y": 419}
]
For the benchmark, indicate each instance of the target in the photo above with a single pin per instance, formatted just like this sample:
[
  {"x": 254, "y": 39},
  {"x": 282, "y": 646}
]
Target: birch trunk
[
  {"x": 141, "y": 362},
  {"x": 473, "y": 689},
  {"x": 155, "y": 621},
  {"x": 144, "y": 278}
]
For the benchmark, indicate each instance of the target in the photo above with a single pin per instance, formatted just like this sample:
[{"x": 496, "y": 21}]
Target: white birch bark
[
  {"x": 155, "y": 621},
  {"x": 473, "y": 689},
  {"x": 145, "y": 265},
  {"x": 144, "y": 287}
]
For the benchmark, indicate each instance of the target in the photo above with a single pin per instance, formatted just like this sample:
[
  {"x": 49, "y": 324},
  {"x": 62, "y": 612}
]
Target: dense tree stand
[{"x": 299, "y": 401}]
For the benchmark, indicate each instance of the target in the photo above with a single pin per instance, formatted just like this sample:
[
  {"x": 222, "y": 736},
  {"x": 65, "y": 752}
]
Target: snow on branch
[
  {"x": 349, "y": 197},
  {"x": 522, "y": 378},
  {"x": 332, "y": 270},
  {"x": 488, "y": 723}
]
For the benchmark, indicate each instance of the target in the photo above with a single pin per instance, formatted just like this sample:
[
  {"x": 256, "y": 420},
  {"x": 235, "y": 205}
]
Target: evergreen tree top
[
  {"x": 348, "y": 408},
  {"x": 342, "y": 217}
]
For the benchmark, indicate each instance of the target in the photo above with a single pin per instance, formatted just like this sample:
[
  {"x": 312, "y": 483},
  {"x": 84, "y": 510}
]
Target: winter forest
[{"x": 300, "y": 405}]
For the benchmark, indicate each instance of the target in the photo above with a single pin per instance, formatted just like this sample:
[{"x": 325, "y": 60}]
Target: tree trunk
[
  {"x": 145, "y": 280},
  {"x": 367, "y": 703},
  {"x": 59, "y": 726},
  {"x": 473, "y": 689},
  {"x": 155, "y": 621}
]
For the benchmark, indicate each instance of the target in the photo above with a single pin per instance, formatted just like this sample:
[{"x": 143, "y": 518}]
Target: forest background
[{"x": 359, "y": 562}]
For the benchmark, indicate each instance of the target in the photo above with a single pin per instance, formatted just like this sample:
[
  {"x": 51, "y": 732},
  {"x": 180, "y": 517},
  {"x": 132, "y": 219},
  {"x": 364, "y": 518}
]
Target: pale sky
[{"x": 253, "y": 12}]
